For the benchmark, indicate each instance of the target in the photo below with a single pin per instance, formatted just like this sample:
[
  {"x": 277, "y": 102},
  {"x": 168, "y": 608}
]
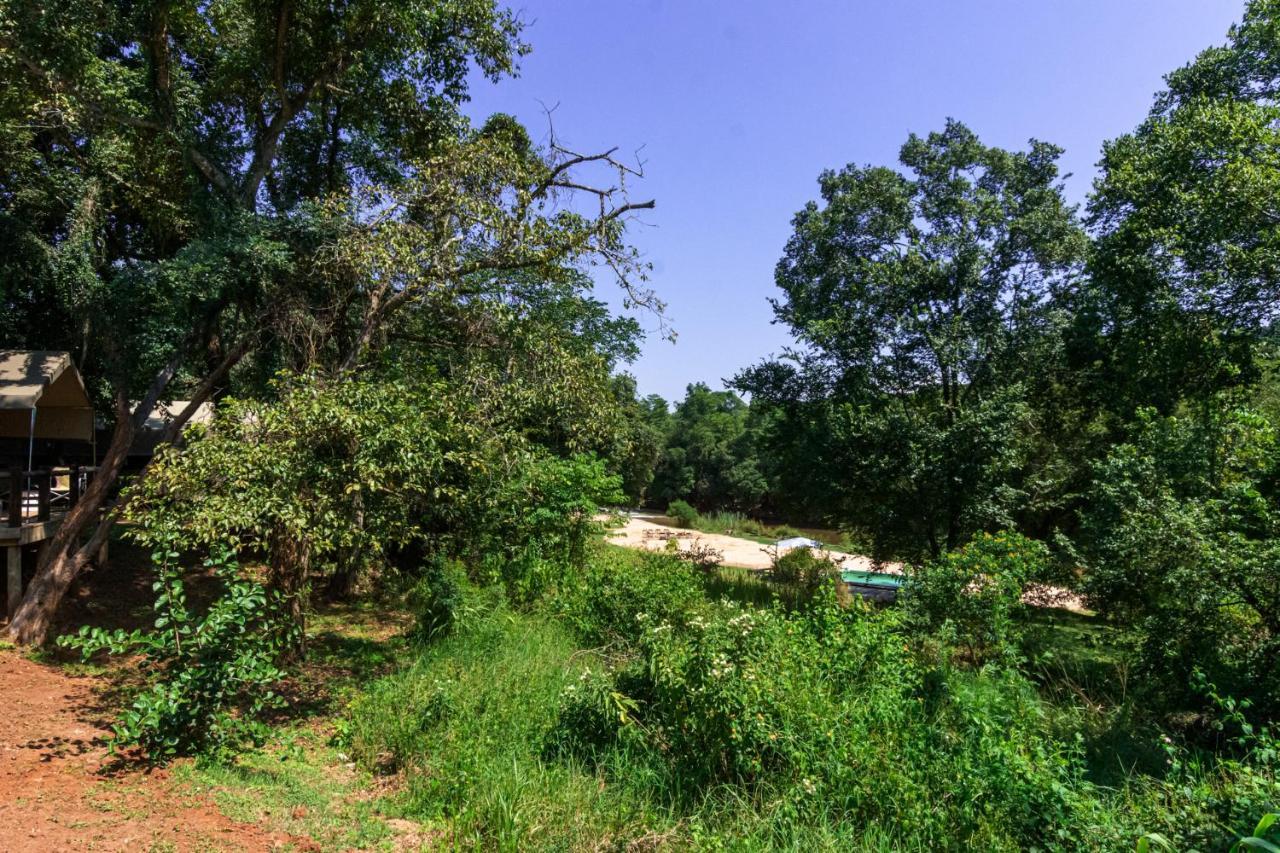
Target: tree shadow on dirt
[{"x": 348, "y": 645}]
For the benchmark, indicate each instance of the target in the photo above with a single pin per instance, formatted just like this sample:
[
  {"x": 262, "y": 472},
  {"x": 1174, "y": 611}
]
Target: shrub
[
  {"x": 542, "y": 517},
  {"x": 210, "y": 676},
  {"x": 803, "y": 567},
  {"x": 435, "y": 597},
  {"x": 975, "y": 593},
  {"x": 682, "y": 514},
  {"x": 829, "y": 717},
  {"x": 701, "y": 556},
  {"x": 591, "y": 717},
  {"x": 619, "y": 586},
  {"x": 1179, "y": 538},
  {"x": 783, "y": 531},
  {"x": 751, "y": 527}
]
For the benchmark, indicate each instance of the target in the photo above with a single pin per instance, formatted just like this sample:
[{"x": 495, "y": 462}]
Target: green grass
[
  {"x": 744, "y": 586},
  {"x": 304, "y": 781},
  {"x": 992, "y": 757},
  {"x": 461, "y": 743},
  {"x": 301, "y": 785},
  {"x": 741, "y": 526},
  {"x": 465, "y": 724}
]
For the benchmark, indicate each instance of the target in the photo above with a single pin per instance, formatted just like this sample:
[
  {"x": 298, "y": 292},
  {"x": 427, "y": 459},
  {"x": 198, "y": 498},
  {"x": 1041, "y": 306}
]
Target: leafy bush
[
  {"x": 619, "y": 587},
  {"x": 210, "y": 676},
  {"x": 552, "y": 503},
  {"x": 803, "y": 567},
  {"x": 592, "y": 716},
  {"x": 975, "y": 594},
  {"x": 830, "y": 716},
  {"x": 1181, "y": 537},
  {"x": 435, "y": 597},
  {"x": 730, "y": 728},
  {"x": 783, "y": 531},
  {"x": 682, "y": 514}
]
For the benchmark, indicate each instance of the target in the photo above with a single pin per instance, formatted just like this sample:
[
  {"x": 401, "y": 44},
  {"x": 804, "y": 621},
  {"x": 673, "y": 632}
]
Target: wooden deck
[{"x": 32, "y": 506}]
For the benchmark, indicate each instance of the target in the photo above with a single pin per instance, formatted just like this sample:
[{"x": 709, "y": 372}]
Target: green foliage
[
  {"x": 466, "y": 724},
  {"x": 1180, "y": 539},
  {"x": 710, "y": 457},
  {"x": 974, "y": 595},
  {"x": 1265, "y": 836},
  {"x": 917, "y": 298},
  {"x": 830, "y": 714},
  {"x": 646, "y": 421},
  {"x": 620, "y": 591},
  {"x": 327, "y": 477},
  {"x": 554, "y": 503},
  {"x": 541, "y": 520},
  {"x": 715, "y": 726},
  {"x": 348, "y": 471},
  {"x": 210, "y": 676},
  {"x": 1184, "y": 273},
  {"x": 804, "y": 568},
  {"x": 183, "y": 200},
  {"x": 682, "y": 513},
  {"x": 435, "y": 598}
]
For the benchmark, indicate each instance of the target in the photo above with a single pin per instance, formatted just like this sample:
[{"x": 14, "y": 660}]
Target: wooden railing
[{"x": 31, "y": 497}]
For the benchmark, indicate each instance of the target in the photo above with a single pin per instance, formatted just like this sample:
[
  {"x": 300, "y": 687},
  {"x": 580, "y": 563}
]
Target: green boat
[{"x": 879, "y": 586}]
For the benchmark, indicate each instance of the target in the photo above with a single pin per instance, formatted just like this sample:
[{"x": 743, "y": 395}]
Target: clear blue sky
[{"x": 740, "y": 106}]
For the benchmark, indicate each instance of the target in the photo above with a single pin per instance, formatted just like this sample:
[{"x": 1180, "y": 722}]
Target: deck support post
[{"x": 14, "y": 578}]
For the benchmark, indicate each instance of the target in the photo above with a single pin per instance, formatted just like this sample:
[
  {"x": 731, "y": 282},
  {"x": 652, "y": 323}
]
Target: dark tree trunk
[
  {"x": 65, "y": 557},
  {"x": 289, "y": 576}
]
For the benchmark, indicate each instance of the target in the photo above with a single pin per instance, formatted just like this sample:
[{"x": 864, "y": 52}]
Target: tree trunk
[
  {"x": 64, "y": 558},
  {"x": 289, "y": 575}
]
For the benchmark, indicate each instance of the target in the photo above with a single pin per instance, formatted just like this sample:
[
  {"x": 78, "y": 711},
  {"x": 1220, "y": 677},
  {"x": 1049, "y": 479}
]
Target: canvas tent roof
[
  {"x": 144, "y": 443},
  {"x": 46, "y": 383}
]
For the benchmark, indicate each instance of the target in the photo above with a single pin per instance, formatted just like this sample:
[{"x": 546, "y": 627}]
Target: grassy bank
[
  {"x": 635, "y": 707},
  {"x": 640, "y": 704}
]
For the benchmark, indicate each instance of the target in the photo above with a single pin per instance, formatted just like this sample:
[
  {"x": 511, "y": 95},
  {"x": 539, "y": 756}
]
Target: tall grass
[
  {"x": 633, "y": 712},
  {"x": 465, "y": 724}
]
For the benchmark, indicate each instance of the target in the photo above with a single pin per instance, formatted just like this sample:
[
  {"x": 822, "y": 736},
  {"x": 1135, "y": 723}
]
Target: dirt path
[
  {"x": 648, "y": 533},
  {"x": 59, "y": 790}
]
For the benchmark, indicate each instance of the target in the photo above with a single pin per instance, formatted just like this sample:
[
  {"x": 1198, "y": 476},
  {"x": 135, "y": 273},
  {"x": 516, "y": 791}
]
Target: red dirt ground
[{"x": 59, "y": 790}]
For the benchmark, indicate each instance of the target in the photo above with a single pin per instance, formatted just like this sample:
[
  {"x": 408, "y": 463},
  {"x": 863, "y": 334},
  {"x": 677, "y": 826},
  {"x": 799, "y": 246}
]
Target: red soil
[{"x": 60, "y": 790}]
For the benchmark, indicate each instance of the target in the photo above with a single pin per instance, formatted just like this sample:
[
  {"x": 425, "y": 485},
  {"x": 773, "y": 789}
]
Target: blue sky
[{"x": 739, "y": 106}]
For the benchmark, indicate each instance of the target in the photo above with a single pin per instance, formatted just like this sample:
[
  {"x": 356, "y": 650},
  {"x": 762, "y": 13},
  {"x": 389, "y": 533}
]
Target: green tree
[
  {"x": 915, "y": 298},
  {"x": 975, "y": 593},
  {"x": 1184, "y": 274},
  {"x": 709, "y": 458},
  {"x": 195, "y": 195},
  {"x": 1180, "y": 536},
  {"x": 647, "y": 422}
]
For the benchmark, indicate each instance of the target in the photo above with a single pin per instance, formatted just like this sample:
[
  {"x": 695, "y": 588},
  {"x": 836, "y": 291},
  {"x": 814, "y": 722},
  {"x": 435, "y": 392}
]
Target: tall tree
[
  {"x": 710, "y": 457},
  {"x": 191, "y": 189},
  {"x": 1186, "y": 270},
  {"x": 914, "y": 297}
]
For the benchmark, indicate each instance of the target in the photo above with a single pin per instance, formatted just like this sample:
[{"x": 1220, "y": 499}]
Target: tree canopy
[{"x": 914, "y": 297}]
